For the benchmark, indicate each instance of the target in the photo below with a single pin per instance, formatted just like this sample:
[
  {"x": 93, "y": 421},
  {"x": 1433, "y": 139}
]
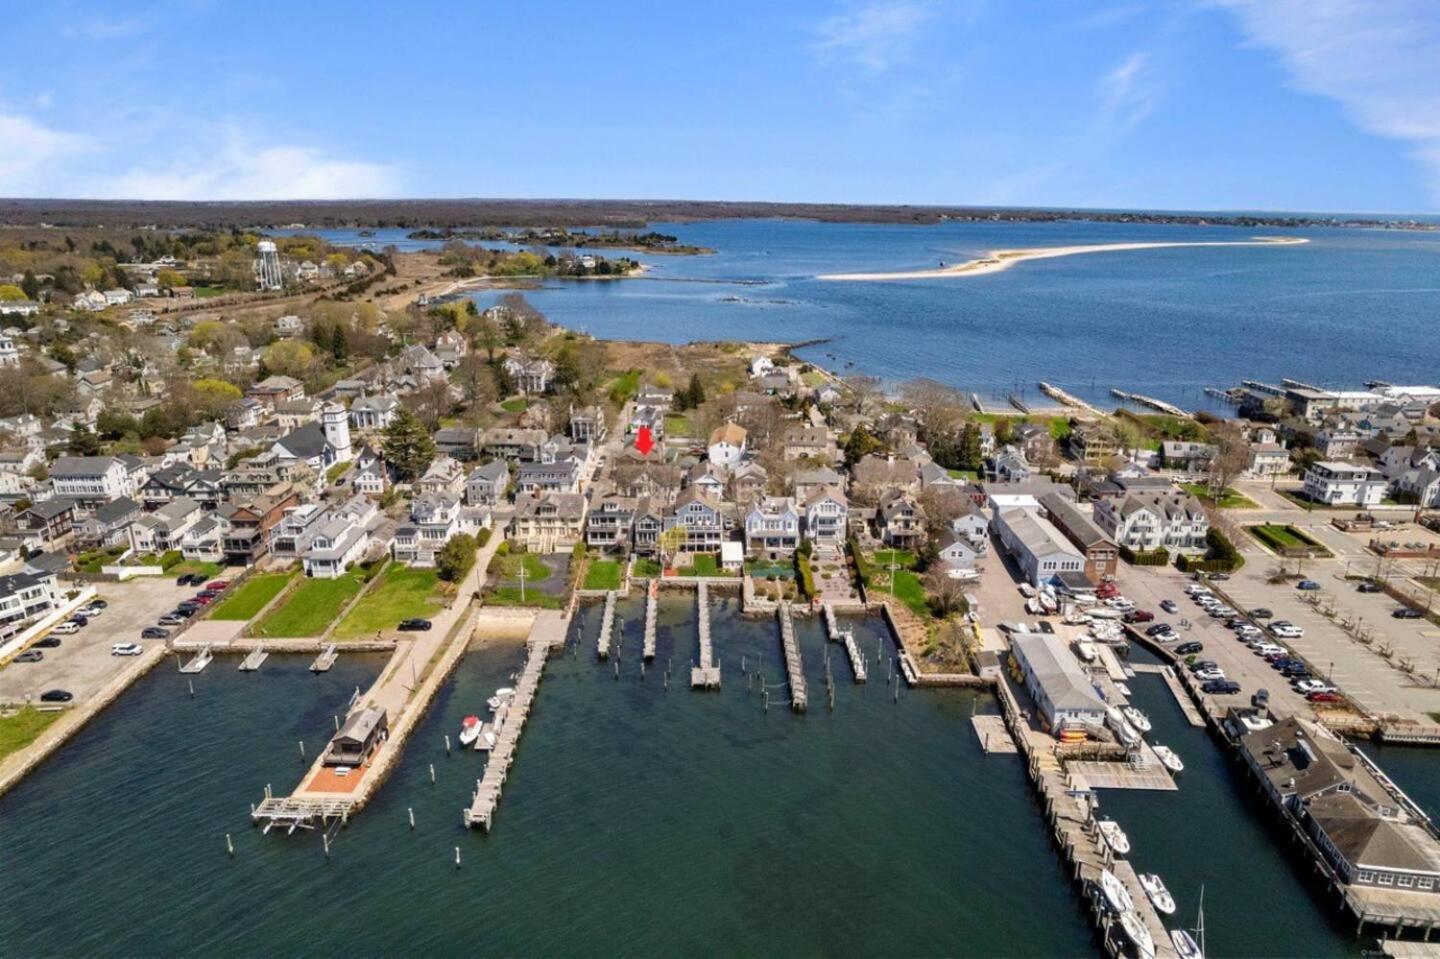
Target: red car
[
  {"x": 1107, "y": 590},
  {"x": 218, "y": 585},
  {"x": 203, "y": 600},
  {"x": 1139, "y": 616},
  {"x": 1323, "y": 696}
]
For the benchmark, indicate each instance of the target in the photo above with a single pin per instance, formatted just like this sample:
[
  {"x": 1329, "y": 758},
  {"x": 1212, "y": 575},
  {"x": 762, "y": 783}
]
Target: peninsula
[{"x": 997, "y": 260}]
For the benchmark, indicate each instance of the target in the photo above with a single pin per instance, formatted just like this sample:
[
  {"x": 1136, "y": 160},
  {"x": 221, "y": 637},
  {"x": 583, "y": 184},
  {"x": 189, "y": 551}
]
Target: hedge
[
  {"x": 863, "y": 570},
  {"x": 807, "y": 575},
  {"x": 1154, "y": 557},
  {"x": 1221, "y": 556}
]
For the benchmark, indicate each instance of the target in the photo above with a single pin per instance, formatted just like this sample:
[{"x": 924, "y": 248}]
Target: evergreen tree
[
  {"x": 860, "y": 444},
  {"x": 339, "y": 345},
  {"x": 969, "y": 453},
  {"x": 83, "y": 442},
  {"x": 695, "y": 393},
  {"x": 408, "y": 446},
  {"x": 31, "y": 286}
]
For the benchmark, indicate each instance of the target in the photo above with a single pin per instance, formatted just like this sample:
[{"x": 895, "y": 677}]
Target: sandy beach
[{"x": 998, "y": 260}]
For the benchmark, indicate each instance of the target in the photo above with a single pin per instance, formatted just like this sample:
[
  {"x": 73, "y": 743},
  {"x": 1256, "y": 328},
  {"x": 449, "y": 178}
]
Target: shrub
[
  {"x": 482, "y": 538},
  {"x": 807, "y": 575},
  {"x": 456, "y": 557},
  {"x": 1154, "y": 557},
  {"x": 863, "y": 570}
]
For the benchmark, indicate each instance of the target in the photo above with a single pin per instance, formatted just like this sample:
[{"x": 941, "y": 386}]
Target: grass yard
[
  {"x": 910, "y": 591},
  {"x": 705, "y": 564},
  {"x": 509, "y": 566},
  {"x": 516, "y": 404},
  {"x": 1284, "y": 538},
  {"x": 204, "y": 292},
  {"x": 1229, "y": 498},
  {"x": 902, "y": 558},
  {"x": 402, "y": 593},
  {"x": 247, "y": 599},
  {"x": 314, "y": 605},
  {"x": 191, "y": 566},
  {"x": 646, "y": 569},
  {"x": 24, "y": 727},
  {"x": 814, "y": 379},
  {"x": 510, "y": 596},
  {"x": 604, "y": 574},
  {"x": 677, "y": 424}
]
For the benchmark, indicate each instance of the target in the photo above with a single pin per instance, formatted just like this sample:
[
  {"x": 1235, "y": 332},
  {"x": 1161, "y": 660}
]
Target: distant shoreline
[{"x": 998, "y": 260}]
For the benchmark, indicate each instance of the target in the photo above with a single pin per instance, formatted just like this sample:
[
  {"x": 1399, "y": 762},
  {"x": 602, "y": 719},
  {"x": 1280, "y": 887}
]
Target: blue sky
[{"x": 1176, "y": 104}]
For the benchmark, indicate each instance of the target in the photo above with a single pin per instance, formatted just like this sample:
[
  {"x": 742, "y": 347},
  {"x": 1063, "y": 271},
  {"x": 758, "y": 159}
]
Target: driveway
[{"x": 83, "y": 663}]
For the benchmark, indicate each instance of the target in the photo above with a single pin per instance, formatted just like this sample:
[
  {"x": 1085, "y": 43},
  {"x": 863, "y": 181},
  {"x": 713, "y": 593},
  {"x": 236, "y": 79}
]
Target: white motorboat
[
  {"x": 1033, "y": 607},
  {"x": 1115, "y": 892},
  {"x": 1185, "y": 944},
  {"x": 1156, "y": 892},
  {"x": 1114, "y": 836},
  {"x": 1086, "y": 649},
  {"x": 1105, "y": 612},
  {"x": 1047, "y": 600},
  {"x": 469, "y": 729},
  {"x": 502, "y": 695},
  {"x": 1124, "y": 690},
  {"x": 1137, "y": 719},
  {"x": 1169, "y": 759},
  {"x": 1135, "y": 929}
]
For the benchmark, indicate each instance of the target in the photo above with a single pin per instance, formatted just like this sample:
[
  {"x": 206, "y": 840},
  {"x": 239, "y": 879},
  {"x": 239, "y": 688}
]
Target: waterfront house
[
  {"x": 1350, "y": 484},
  {"x": 486, "y": 485},
  {"x": 341, "y": 539},
  {"x": 46, "y": 523},
  {"x": 161, "y": 531},
  {"x": 553, "y": 522},
  {"x": 701, "y": 519},
  {"x": 1062, "y": 692},
  {"x": 363, "y": 732},
  {"x": 898, "y": 521},
  {"x": 292, "y": 535},
  {"x": 109, "y": 524},
  {"x": 610, "y": 523},
  {"x": 250, "y": 521},
  {"x": 24, "y": 596},
  {"x": 826, "y": 512},
  {"x": 434, "y": 519},
  {"x": 1092, "y": 445},
  {"x": 772, "y": 526},
  {"x": 1148, "y": 521}
]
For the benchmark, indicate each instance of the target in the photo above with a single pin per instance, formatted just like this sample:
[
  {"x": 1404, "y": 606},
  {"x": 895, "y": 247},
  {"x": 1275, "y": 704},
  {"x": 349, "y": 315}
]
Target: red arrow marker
[{"x": 644, "y": 442}]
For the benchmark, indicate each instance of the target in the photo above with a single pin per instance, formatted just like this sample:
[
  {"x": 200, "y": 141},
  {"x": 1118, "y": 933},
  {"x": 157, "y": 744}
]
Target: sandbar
[{"x": 997, "y": 260}]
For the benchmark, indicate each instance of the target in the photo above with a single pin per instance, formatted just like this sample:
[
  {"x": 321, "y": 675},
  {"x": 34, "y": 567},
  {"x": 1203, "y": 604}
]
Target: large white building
[
  {"x": 24, "y": 596},
  {"x": 1038, "y": 548},
  {"x": 1149, "y": 521},
  {"x": 1064, "y": 695},
  {"x": 1345, "y": 484},
  {"x": 95, "y": 480}
]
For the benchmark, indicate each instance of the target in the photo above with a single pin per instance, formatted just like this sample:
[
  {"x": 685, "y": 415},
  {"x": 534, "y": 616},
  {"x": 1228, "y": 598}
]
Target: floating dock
[
  {"x": 489, "y": 787},
  {"x": 325, "y": 660},
  {"x": 652, "y": 608},
  {"x": 1150, "y": 401},
  {"x": 199, "y": 662},
  {"x": 994, "y": 737},
  {"x": 253, "y": 661},
  {"x": 1187, "y": 705},
  {"x": 975, "y": 402},
  {"x": 706, "y": 675},
  {"x": 607, "y": 624},
  {"x": 798, "y": 698}
]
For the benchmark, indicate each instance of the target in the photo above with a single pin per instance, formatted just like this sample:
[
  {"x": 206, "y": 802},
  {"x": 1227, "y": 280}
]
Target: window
[
  {"x": 1386, "y": 879},
  {"x": 1425, "y": 883},
  {"x": 1406, "y": 882},
  {"x": 1365, "y": 876}
]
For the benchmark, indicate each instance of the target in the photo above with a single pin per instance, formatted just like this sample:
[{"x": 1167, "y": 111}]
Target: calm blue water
[{"x": 1351, "y": 305}]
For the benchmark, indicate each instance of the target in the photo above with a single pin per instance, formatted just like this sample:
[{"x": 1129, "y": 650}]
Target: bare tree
[
  {"x": 1232, "y": 457},
  {"x": 946, "y": 595}
]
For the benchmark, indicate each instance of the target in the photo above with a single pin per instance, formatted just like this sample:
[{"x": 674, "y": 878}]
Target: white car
[
  {"x": 126, "y": 649},
  {"x": 1308, "y": 686},
  {"x": 90, "y": 612},
  {"x": 1287, "y": 630},
  {"x": 1206, "y": 675},
  {"x": 1120, "y": 603},
  {"x": 1268, "y": 649},
  {"x": 66, "y": 628}
]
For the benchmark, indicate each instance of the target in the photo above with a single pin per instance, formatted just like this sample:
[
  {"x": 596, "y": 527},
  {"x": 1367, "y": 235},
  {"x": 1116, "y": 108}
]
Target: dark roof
[
  {"x": 51, "y": 508},
  {"x": 305, "y": 443},
  {"x": 116, "y": 510}
]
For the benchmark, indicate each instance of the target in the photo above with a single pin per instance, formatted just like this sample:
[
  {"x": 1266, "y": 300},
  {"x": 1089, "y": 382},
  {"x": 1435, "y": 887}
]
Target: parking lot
[{"x": 83, "y": 664}]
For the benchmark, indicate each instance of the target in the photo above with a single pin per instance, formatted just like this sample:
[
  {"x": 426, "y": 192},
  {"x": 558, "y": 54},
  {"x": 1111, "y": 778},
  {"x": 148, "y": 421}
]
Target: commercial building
[
  {"x": 1038, "y": 548},
  {"x": 1063, "y": 694},
  {"x": 1348, "y": 484}
]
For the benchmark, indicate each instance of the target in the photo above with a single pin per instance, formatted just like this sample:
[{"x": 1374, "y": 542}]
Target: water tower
[{"x": 267, "y": 266}]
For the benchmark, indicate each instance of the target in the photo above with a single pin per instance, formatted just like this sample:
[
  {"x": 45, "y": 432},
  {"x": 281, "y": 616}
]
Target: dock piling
[
  {"x": 447, "y": 744},
  {"x": 229, "y": 845},
  {"x": 411, "y": 811},
  {"x": 457, "y": 857},
  {"x": 302, "y": 750},
  {"x": 432, "y": 774},
  {"x": 191, "y": 684}
]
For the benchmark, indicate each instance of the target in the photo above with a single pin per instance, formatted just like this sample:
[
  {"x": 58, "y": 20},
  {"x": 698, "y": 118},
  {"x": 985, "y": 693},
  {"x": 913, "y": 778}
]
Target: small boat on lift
[{"x": 469, "y": 730}]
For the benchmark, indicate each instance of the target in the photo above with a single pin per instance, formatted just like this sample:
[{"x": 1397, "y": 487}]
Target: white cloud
[
  {"x": 241, "y": 170},
  {"x": 877, "y": 35},
  {"x": 31, "y": 150},
  {"x": 1377, "y": 60},
  {"x": 1128, "y": 93}
]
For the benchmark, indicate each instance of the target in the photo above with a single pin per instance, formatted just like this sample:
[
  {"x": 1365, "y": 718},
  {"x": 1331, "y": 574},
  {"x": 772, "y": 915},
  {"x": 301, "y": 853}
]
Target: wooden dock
[
  {"x": 325, "y": 660},
  {"x": 254, "y": 660},
  {"x": 1143, "y": 771},
  {"x": 704, "y": 675},
  {"x": 1150, "y": 401},
  {"x": 1187, "y": 705},
  {"x": 994, "y": 737},
  {"x": 543, "y": 638},
  {"x": 1107, "y": 657},
  {"x": 607, "y": 624},
  {"x": 652, "y": 607},
  {"x": 199, "y": 662},
  {"x": 1066, "y": 399},
  {"x": 798, "y": 698},
  {"x": 846, "y": 637}
]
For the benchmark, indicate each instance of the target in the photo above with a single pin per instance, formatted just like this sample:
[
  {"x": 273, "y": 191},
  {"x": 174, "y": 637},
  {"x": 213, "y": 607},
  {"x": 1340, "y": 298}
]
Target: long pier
[
  {"x": 706, "y": 675},
  {"x": 652, "y": 608},
  {"x": 1150, "y": 401},
  {"x": 544, "y": 637},
  {"x": 1066, "y": 399},
  {"x": 798, "y": 698},
  {"x": 607, "y": 624}
]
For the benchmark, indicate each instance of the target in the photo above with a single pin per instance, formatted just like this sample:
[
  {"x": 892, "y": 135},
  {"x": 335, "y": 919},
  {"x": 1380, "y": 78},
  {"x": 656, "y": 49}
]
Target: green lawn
[
  {"x": 1229, "y": 498},
  {"x": 23, "y": 728},
  {"x": 208, "y": 570},
  {"x": 201, "y": 292},
  {"x": 623, "y": 386},
  {"x": 250, "y": 597},
  {"x": 336, "y": 471},
  {"x": 1281, "y": 538},
  {"x": 814, "y": 379},
  {"x": 604, "y": 574},
  {"x": 314, "y": 605},
  {"x": 902, "y": 558},
  {"x": 92, "y": 561},
  {"x": 517, "y": 404},
  {"x": 510, "y": 596},
  {"x": 677, "y": 424},
  {"x": 970, "y": 475},
  {"x": 646, "y": 569},
  {"x": 705, "y": 564},
  {"x": 509, "y": 566},
  {"x": 910, "y": 591},
  {"x": 402, "y": 593}
]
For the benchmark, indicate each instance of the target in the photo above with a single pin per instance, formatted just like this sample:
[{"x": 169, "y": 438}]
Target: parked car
[
  {"x": 1260, "y": 699},
  {"x": 1307, "y": 584},
  {"x": 1308, "y": 686},
  {"x": 170, "y": 619},
  {"x": 56, "y": 696},
  {"x": 204, "y": 600},
  {"x": 1210, "y": 674},
  {"x": 415, "y": 625},
  {"x": 1219, "y": 577},
  {"x": 126, "y": 649},
  {"x": 99, "y": 604},
  {"x": 1323, "y": 696},
  {"x": 1366, "y": 586},
  {"x": 79, "y": 619},
  {"x": 155, "y": 632},
  {"x": 190, "y": 579},
  {"x": 66, "y": 628},
  {"x": 1287, "y": 630},
  {"x": 1189, "y": 649},
  {"x": 91, "y": 612},
  {"x": 218, "y": 585},
  {"x": 29, "y": 656},
  {"x": 1169, "y": 605},
  {"x": 1405, "y": 612},
  {"x": 1139, "y": 616},
  {"x": 185, "y": 610},
  {"x": 1220, "y": 687},
  {"x": 49, "y": 642},
  {"x": 1200, "y": 664},
  {"x": 1261, "y": 613},
  {"x": 1157, "y": 629}
]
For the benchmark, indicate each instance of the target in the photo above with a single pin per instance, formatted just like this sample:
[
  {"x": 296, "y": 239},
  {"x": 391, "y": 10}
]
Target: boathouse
[{"x": 363, "y": 731}]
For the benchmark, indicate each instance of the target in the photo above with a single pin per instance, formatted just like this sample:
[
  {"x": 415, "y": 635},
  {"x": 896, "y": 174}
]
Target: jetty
[
  {"x": 1149, "y": 401},
  {"x": 705, "y": 675},
  {"x": 325, "y": 660},
  {"x": 846, "y": 637},
  {"x": 607, "y": 624},
  {"x": 1219, "y": 394},
  {"x": 798, "y": 698},
  {"x": 975, "y": 402},
  {"x": 652, "y": 608},
  {"x": 1019, "y": 404},
  {"x": 199, "y": 661},
  {"x": 547, "y": 634},
  {"x": 994, "y": 737},
  {"x": 1066, "y": 399},
  {"x": 253, "y": 661}
]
